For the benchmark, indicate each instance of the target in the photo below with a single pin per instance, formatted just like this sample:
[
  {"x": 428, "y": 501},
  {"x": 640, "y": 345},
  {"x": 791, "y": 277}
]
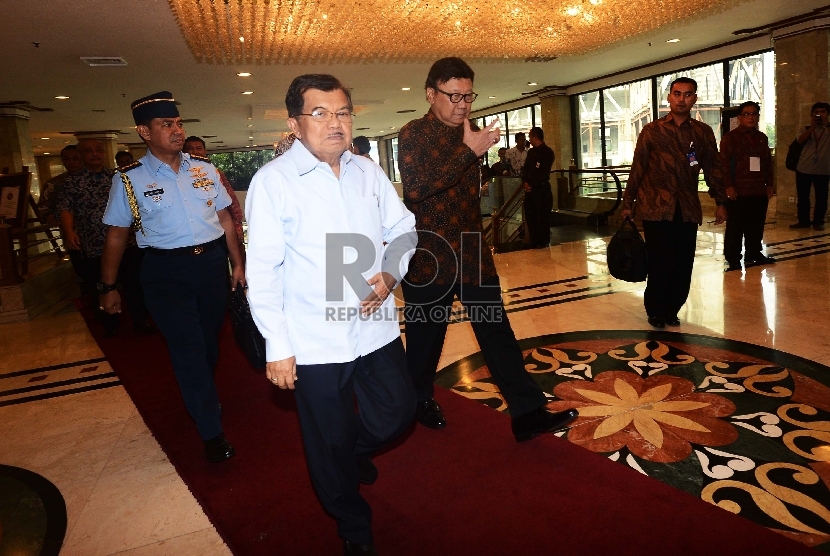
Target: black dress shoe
[
  {"x": 672, "y": 321},
  {"x": 732, "y": 266},
  {"x": 760, "y": 260},
  {"x": 353, "y": 548},
  {"x": 366, "y": 471},
  {"x": 430, "y": 414},
  {"x": 540, "y": 420},
  {"x": 657, "y": 322},
  {"x": 819, "y": 227},
  {"x": 218, "y": 449},
  {"x": 799, "y": 225}
]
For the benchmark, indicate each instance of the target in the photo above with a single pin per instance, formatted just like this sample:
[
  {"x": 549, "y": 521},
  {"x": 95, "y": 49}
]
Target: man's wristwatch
[{"x": 104, "y": 288}]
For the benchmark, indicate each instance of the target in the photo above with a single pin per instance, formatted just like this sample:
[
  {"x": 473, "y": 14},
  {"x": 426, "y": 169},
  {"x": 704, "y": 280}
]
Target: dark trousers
[
  {"x": 187, "y": 297},
  {"x": 671, "y": 255},
  {"x": 335, "y": 435},
  {"x": 538, "y": 204},
  {"x": 802, "y": 187},
  {"x": 746, "y": 217},
  {"x": 88, "y": 270},
  {"x": 426, "y": 312}
]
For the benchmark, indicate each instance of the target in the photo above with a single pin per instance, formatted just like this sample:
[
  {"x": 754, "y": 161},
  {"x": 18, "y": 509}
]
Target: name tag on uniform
[
  {"x": 154, "y": 193},
  {"x": 754, "y": 164}
]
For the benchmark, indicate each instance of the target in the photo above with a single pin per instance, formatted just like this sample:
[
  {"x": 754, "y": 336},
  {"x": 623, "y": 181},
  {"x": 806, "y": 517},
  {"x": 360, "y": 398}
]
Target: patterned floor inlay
[
  {"x": 741, "y": 426},
  {"x": 57, "y": 380}
]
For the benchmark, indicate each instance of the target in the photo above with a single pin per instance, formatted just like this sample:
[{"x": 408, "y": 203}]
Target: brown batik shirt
[
  {"x": 661, "y": 176},
  {"x": 441, "y": 183},
  {"x": 737, "y": 148}
]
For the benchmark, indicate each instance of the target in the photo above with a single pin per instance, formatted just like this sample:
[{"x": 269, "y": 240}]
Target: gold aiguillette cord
[{"x": 128, "y": 187}]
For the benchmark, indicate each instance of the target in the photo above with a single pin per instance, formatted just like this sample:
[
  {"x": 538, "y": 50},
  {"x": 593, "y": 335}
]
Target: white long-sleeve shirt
[{"x": 294, "y": 205}]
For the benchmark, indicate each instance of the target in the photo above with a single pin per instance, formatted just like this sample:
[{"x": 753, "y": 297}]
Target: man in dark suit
[{"x": 536, "y": 182}]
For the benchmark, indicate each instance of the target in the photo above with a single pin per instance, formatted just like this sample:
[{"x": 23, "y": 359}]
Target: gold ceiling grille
[{"x": 337, "y": 31}]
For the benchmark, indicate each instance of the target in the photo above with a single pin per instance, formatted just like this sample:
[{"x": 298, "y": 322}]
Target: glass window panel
[
  {"x": 590, "y": 145},
  {"x": 753, "y": 78},
  {"x": 395, "y": 173},
  {"x": 710, "y": 88},
  {"x": 493, "y": 154},
  {"x": 627, "y": 109},
  {"x": 240, "y": 166},
  {"x": 537, "y": 115},
  {"x": 373, "y": 150}
]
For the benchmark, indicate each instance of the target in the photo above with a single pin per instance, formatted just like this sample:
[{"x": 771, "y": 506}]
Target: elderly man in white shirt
[{"x": 329, "y": 239}]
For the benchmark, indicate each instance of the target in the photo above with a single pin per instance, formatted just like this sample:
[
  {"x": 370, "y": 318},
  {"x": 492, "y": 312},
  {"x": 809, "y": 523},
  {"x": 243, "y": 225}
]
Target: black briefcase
[
  {"x": 626, "y": 254},
  {"x": 245, "y": 332}
]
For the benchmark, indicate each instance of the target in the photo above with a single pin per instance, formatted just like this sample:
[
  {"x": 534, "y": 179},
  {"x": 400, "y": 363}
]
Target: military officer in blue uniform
[{"x": 177, "y": 205}]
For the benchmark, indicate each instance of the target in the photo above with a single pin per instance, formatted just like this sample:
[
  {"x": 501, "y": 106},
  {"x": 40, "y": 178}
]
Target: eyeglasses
[
  {"x": 750, "y": 114},
  {"x": 325, "y": 115},
  {"x": 455, "y": 98}
]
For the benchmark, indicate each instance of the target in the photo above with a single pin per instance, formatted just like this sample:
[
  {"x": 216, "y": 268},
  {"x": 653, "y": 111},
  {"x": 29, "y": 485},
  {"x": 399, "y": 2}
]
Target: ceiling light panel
[{"x": 282, "y": 32}]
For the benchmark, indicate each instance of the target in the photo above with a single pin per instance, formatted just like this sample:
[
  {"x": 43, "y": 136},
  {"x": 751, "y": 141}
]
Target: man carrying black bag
[{"x": 662, "y": 186}]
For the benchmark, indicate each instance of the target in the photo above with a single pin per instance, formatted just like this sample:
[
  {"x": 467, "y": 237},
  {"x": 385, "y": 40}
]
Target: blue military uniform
[{"x": 184, "y": 272}]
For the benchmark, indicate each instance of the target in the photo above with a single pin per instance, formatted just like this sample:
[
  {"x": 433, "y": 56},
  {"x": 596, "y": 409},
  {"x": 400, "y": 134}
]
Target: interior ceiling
[{"x": 44, "y": 41}]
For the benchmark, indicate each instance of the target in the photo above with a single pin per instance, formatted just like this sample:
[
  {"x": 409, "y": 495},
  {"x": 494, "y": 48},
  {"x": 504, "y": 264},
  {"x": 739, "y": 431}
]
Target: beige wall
[{"x": 802, "y": 77}]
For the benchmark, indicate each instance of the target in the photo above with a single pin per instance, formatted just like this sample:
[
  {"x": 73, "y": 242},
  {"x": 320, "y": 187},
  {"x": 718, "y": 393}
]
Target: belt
[{"x": 192, "y": 250}]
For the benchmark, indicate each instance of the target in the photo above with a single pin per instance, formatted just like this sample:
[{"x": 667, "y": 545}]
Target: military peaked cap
[{"x": 158, "y": 105}]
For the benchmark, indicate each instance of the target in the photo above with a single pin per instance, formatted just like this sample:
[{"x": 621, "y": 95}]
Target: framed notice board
[
  {"x": 728, "y": 119},
  {"x": 14, "y": 197}
]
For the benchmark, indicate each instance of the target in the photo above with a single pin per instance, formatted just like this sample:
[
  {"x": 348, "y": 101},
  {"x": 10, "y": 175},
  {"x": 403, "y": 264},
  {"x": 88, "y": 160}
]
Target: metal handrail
[{"x": 605, "y": 171}]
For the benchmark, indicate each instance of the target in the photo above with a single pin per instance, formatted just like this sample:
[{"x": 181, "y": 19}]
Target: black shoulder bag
[
  {"x": 245, "y": 332},
  {"x": 626, "y": 254}
]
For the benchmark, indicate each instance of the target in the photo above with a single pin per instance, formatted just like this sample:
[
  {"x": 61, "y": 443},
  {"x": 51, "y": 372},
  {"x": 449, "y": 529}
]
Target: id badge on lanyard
[{"x": 691, "y": 156}]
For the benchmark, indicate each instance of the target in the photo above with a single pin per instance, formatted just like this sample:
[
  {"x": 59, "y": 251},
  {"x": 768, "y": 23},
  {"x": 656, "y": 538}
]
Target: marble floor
[{"x": 64, "y": 415}]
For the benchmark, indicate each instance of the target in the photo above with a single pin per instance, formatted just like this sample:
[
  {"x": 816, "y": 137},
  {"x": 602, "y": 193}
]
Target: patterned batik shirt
[
  {"x": 85, "y": 195},
  {"x": 737, "y": 148},
  {"x": 441, "y": 181},
  {"x": 662, "y": 176}
]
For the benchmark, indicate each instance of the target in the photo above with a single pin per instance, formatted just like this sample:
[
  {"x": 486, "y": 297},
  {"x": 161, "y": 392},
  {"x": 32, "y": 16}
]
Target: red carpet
[{"x": 467, "y": 489}]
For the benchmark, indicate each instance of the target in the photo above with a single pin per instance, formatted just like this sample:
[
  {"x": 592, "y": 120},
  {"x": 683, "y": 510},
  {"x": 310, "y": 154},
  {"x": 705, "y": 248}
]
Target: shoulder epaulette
[
  {"x": 200, "y": 158},
  {"x": 130, "y": 166}
]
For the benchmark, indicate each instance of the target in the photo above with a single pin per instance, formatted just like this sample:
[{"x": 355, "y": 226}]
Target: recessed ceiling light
[
  {"x": 405, "y": 88},
  {"x": 250, "y": 137},
  {"x": 47, "y": 153},
  {"x": 44, "y": 138},
  {"x": 491, "y": 96},
  {"x": 241, "y": 39},
  {"x": 250, "y": 125},
  {"x": 531, "y": 83},
  {"x": 325, "y": 16},
  {"x": 247, "y": 92},
  {"x": 673, "y": 40},
  {"x": 62, "y": 97},
  {"x": 244, "y": 74}
]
